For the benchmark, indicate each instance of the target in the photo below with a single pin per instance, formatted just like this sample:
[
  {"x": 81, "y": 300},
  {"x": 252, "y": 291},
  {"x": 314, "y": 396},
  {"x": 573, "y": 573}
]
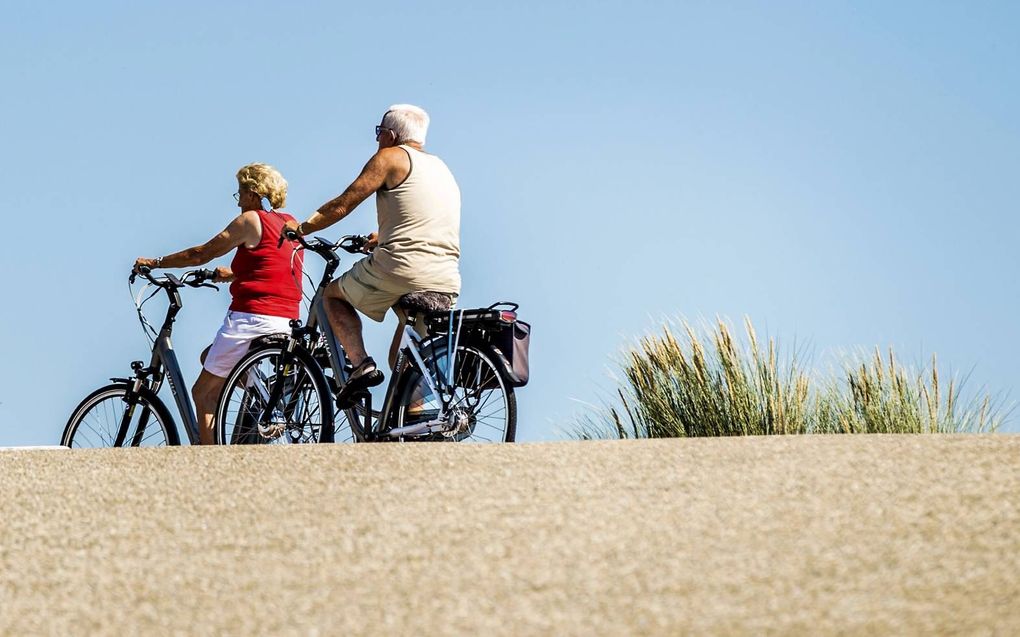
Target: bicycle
[
  {"x": 449, "y": 369},
  {"x": 107, "y": 416}
]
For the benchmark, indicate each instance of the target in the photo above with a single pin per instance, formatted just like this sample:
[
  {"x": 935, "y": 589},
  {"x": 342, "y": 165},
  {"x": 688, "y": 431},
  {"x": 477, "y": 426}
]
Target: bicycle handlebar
[
  {"x": 193, "y": 278},
  {"x": 353, "y": 243}
]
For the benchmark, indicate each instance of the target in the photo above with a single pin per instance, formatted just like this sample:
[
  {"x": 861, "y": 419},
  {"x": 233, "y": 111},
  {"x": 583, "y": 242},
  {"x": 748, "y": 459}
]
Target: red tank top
[{"x": 265, "y": 279}]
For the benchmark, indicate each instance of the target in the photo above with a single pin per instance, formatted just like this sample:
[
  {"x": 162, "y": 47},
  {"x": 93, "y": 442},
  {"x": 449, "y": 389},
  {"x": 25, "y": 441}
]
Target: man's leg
[
  {"x": 206, "y": 393},
  {"x": 346, "y": 324}
]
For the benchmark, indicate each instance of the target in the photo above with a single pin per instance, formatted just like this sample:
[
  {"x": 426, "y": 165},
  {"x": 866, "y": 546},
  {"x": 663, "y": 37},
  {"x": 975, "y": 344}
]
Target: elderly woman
[{"x": 265, "y": 288}]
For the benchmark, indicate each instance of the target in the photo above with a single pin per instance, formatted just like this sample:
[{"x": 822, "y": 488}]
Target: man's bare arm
[{"x": 373, "y": 176}]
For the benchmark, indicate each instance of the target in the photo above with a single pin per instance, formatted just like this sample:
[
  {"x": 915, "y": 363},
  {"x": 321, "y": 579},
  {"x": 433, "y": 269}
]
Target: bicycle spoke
[
  {"x": 100, "y": 419},
  {"x": 295, "y": 418},
  {"x": 479, "y": 405}
]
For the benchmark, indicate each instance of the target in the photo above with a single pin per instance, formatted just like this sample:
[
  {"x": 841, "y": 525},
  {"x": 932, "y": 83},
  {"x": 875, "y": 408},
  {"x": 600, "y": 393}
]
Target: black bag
[{"x": 513, "y": 341}]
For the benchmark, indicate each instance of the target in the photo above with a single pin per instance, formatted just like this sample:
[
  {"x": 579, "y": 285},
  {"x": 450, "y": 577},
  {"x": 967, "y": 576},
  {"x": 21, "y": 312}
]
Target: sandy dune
[{"x": 799, "y": 535}]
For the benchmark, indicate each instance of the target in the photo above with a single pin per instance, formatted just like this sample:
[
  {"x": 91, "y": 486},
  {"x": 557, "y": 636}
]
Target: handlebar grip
[
  {"x": 354, "y": 243},
  {"x": 144, "y": 270},
  {"x": 289, "y": 235},
  {"x": 198, "y": 278}
]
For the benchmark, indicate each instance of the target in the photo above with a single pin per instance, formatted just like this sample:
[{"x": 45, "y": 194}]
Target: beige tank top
[{"x": 419, "y": 227}]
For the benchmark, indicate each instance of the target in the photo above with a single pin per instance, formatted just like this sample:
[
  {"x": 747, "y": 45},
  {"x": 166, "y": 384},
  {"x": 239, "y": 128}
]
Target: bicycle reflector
[{"x": 507, "y": 316}]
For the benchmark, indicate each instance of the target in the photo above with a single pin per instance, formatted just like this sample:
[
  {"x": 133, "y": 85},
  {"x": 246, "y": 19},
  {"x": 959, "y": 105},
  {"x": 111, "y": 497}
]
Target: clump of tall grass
[{"x": 682, "y": 383}]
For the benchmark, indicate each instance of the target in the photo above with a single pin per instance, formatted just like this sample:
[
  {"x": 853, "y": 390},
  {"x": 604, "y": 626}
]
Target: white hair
[{"x": 408, "y": 122}]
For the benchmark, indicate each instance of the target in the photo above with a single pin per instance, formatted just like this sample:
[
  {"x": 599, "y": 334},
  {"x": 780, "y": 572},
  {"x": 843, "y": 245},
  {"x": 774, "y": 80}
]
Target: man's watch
[
  {"x": 159, "y": 262},
  {"x": 300, "y": 230}
]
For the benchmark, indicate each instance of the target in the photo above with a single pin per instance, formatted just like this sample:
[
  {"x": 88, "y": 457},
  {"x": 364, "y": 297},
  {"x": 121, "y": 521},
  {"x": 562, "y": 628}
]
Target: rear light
[{"x": 507, "y": 316}]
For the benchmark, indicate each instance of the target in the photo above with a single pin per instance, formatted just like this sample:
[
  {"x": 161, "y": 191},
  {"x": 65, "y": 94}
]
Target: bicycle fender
[
  {"x": 500, "y": 359},
  {"x": 278, "y": 340}
]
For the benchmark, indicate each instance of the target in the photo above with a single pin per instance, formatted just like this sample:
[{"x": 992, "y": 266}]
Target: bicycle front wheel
[
  {"x": 480, "y": 408},
  {"x": 106, "y": 419},
  {"x": 303, "y": 413}
]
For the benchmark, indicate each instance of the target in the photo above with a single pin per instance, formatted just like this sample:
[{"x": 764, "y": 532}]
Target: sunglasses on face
[{"x": 379, "y": 130}]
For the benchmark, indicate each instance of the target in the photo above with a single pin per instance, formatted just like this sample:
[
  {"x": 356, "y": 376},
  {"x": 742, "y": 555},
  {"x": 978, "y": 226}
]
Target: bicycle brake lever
[
  {"x": 209, "y": 285},
  {"x": 290, "y": 235},
  {"x": 353, "y": 245}
]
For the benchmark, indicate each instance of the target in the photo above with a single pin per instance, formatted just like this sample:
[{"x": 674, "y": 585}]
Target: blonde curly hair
[{"x": 264, "y": 181}]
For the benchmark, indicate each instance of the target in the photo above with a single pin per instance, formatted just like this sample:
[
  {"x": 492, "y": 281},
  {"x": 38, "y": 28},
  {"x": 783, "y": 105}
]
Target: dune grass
[{"x": 685, "y": 383}]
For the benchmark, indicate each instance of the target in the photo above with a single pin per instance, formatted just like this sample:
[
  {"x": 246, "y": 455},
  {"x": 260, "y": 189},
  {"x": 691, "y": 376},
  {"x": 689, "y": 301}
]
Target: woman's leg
[{"x": 206, "y": 393}]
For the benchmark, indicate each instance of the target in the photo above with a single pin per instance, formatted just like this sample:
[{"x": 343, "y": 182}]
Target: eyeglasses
[
  {"x": 380, "y": 129},
  {"x": 237, "y": 196}
]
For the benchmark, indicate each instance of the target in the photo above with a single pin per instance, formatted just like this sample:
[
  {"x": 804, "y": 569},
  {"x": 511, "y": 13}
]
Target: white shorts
[{"x": 238, "y": 331}]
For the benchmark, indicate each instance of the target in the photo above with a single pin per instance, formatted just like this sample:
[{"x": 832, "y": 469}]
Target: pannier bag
[{"x": 513, "y": 341}]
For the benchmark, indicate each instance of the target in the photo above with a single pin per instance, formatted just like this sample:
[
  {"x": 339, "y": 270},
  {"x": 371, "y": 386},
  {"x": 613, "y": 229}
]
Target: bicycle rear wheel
[
  {"x": 482, "y": 407},
  {"x": 104, "y": 419},
  {"x": 303, "y": 414}
]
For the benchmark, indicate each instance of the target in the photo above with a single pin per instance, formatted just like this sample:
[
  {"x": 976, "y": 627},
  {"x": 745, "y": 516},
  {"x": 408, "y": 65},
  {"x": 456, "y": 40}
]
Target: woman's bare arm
[{"x": 243, "y": 229}]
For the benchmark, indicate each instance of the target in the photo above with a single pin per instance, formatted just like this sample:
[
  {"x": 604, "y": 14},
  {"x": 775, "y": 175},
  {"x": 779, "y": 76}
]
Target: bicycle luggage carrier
[{"x": 496, "y": 327}]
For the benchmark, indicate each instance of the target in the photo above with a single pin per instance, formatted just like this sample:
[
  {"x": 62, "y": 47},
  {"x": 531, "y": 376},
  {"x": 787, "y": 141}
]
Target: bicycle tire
[
  {"x": 73, "y": 432},
  {"x": 249, "y": 383},
  {"x": 437, "y": 351}
]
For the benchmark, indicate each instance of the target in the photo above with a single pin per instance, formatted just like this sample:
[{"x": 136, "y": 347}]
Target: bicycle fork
[
  {"x": 131, "y": 400},
  {"x": 270, "y": 399}
]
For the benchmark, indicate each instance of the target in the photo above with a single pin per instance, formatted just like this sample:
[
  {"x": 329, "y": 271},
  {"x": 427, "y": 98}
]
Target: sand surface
[{"x": 800, "y": 535}]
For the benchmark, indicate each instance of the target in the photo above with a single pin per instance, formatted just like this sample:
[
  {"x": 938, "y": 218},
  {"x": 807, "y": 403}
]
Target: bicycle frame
[
  {"x": 163, "y": 365},
  {"x": 164, "y": 360},
  {"x": 318, "y": 325},
  {"x": 409, "y": 342}
]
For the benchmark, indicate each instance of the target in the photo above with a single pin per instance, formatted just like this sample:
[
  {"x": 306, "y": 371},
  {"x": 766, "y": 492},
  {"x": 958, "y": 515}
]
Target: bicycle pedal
[{"x": 350, "y": 401}]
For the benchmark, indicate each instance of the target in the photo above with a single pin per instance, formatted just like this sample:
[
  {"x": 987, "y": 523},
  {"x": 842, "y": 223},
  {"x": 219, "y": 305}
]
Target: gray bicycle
[
  {"x": 454, "y": 377},
  {"x": 129, "y": 412}
]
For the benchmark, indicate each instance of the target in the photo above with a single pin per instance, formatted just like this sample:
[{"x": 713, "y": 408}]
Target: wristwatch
[{"x": 159, "y": 262}]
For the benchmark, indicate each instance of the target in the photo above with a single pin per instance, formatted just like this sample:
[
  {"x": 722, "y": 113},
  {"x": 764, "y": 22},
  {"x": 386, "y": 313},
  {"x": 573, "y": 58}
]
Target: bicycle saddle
[{"x": 425, "y": 302}]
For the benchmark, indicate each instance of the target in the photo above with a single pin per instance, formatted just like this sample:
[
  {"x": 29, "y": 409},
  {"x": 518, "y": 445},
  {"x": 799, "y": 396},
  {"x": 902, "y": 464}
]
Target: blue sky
[{"x": 842, "y": 173}]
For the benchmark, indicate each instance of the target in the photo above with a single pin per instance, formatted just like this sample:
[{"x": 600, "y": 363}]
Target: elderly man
[{"x": 416, "y": 248}]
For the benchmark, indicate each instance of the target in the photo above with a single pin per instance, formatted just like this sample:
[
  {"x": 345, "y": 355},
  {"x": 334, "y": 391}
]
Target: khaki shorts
[{"x": 371, "y": 293}]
